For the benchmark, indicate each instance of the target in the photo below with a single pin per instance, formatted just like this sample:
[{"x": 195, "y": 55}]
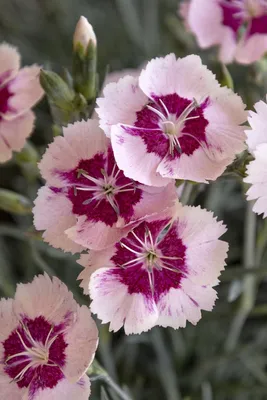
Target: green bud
[
  {"x": 85, "y": 60},
  {"x": 28, "y": 154},
  {"x": 57, "y": 90},
  {"x": 14, "y": 203},
  {"x": 27, "y": 159}
]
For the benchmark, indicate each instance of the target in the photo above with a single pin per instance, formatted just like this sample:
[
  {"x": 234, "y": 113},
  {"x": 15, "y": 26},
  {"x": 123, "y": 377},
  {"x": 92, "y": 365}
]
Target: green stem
[
  {"x": 101, "y": 374},
  {"x": 186, "y": 193},
  {"x": 250, "y": 282},
  {"x": 109, "y": 381}
]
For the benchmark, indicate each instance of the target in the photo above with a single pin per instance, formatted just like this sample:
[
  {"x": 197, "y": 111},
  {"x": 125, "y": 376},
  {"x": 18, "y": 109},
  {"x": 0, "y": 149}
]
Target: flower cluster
[
  {"x": 110, "y": 187},
  {"x": 47, "y": 342},
  {"x": 238, "y": 27},
  {"x": 20, "y": 90},
  {"x": 110, "y": 193}
]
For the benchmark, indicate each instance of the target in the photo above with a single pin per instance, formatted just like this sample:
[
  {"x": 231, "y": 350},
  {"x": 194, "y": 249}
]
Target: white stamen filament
[
  {"x": 106, "y": 188},
  {"x": 150, "y": 258},
  {"x": 131, "y": 250},
  {"x": 173, "y": 126},
  {"x": 34, "y": 356}
]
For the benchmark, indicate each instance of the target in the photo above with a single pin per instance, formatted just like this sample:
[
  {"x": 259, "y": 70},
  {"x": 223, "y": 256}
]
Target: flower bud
[
  {"x": 14, "y": 202},
  {"x": 56, "y": 89},
  {"x": 60, "y": 97},
  {"x": 84, "y": 64},
  {"x": 28, "y": 159},
  {"x": 84, "y": 33}
]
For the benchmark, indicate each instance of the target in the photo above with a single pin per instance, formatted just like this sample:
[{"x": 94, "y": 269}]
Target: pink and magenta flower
[
  {"x": 239, "y": 27},
  {"x": 88, "y": 202},
  {"x": 47, "y": 342},
  {"x": 161, "y": 273},
  {"x": 20, "y": 90},
  {"x": 257, "y": 169},
  {"x": 174, "y": 122}
]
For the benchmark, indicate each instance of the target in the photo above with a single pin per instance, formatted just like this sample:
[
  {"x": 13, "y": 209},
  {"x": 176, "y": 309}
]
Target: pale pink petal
[
  {"x": 26, "y": 90},
  {"x": 198, "y": 226},
  {"x": 8, "y": 319},
  {"x": 252, "y": 49},
  {"x": 228, "y": 46},
  {"x": 95, "y": 235},
  {"x": 155, "y": 199},
  {"x": 187, "y": 77},
  {"x": 82, "y": 340},
  {"x": 112, "y": 303},
  {"x": 53, "y": 213},
  {"x": 225, "y": 106},
  {"x": 201, "y": 166},
  {"x": 63, "y": 391},
  {"x": 81, "y": 141},
  {"x": 14, "y": 133},
  {"x": 134, "y": 160},
  {"x": 258, "y": 122},
  {"x": 10, "y": 62},
  {"x": 114, "y": 77},
  {"x": 120, "y": 103},
  {"x": 206, "y": 261},
  {"x": 225, "y": 141},
  {"x": 93, "y": 261},
  {"x": 9, "y": 390},
  {"x": 185, "y": 304},
  {"x": 45, "y": 296},
  {"x": 225, "y": 111},
  {"x": 170, "y": 309},
  {"x": 204, "y": 19},
  {"x": 257, "y": 176},
  {"x": 203, "y": 296},
  {"x": 205, "y": 254}
]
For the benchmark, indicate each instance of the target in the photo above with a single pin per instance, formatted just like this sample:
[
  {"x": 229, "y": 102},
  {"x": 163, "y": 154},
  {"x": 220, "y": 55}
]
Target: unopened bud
[
  {"x": 14, "y": 203},
  {"x": 28, "y": 154},
  {"x": 84, "y": 34},
  {"x": 27, "y": 159},
  {"x": 56, "y": 89}
]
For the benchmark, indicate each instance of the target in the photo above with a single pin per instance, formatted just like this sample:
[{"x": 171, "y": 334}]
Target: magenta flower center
[
  {"x": 171, "y": 125},
  {"x": 4, "y": 96},
  {"x": 34, "y": 354},
  {"x": 245, "y": 17},
  {"x": 151, "y": 259},
  {"x": 99, "y": 190}
]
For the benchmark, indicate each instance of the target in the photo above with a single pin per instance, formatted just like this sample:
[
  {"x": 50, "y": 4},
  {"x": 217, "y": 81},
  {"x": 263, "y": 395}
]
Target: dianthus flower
[
  {"x": 257, "y": 169},
  {"x": 87, "y": 200},
  {"x": 239, "y": 27},
  {"x": 174, "y": 122},
  {"x": 47, "y": 342},
  {"x": 162, "y": 273},
  {"x": 20, "y": 90}
]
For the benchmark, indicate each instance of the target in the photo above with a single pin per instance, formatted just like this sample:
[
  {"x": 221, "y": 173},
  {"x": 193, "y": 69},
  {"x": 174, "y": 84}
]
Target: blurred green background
[{"x": 188, "y": 364}]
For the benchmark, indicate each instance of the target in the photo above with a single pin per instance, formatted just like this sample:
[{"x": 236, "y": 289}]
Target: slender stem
[
  {"x": 109, "y": 381},
  {"x": 187, "y": 190},
  {"x": 102, "y": 375},
  {"x": 250, "y": 282}
]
